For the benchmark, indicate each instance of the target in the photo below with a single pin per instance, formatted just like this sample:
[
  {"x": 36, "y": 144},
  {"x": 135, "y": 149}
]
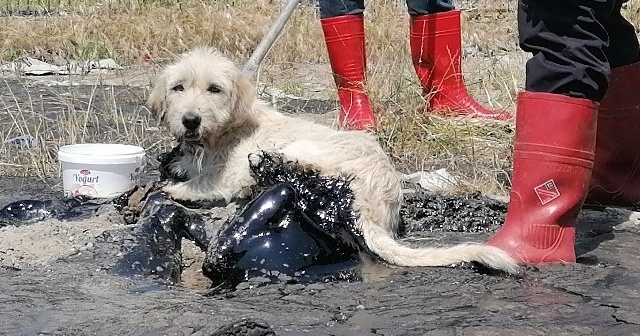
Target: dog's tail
[
  {"x": 379, "y": 214},
  {"x": 384, "y": 245},
  {"x": 378, "y": 196},
  {"x": 378, "y": 224}
]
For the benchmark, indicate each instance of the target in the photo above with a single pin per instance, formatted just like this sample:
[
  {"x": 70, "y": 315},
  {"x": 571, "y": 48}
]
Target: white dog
[{"x": 205, "y": 99}]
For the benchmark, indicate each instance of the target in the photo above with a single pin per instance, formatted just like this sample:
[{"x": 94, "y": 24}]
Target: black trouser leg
[
  {"x": 623, "y": 46},
  {"x": 574, "y": 45},
  {"x": 567, "y": 43},
  {"x": 423, "y": 7},
  {"x": 333, "y": 8}
]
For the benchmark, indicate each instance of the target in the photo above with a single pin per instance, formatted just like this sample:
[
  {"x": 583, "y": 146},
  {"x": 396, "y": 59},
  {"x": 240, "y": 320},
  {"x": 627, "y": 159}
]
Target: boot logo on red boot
[{"x": 547, "y": 192}]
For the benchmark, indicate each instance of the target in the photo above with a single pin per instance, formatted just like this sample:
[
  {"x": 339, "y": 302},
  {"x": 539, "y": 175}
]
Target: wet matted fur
[{"x": 235, "y": 123}]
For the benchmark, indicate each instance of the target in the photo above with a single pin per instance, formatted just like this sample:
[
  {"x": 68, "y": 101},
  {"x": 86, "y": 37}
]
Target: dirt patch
[
  {"x": 192, "y": 260},
  {"x": 44, "y": 242}
]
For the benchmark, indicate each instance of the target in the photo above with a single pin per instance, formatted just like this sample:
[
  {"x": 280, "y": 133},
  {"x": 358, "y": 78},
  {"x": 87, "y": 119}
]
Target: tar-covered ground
[{"x": 71, "y": 291}]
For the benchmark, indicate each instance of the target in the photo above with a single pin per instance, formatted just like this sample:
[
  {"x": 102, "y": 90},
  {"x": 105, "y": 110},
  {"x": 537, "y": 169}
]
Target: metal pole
[{"x": 270, "y": 38}]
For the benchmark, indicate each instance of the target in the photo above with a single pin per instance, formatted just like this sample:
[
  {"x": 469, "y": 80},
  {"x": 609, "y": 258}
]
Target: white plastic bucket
[{"x": 100, "y": 170}]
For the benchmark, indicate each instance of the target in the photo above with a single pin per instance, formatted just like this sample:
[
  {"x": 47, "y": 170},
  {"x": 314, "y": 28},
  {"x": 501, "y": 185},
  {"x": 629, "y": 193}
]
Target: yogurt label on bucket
[
  {"x": 84, "y": 183},
  {"x": 100, "y": 170},
  {"x": 135, "y": 176},
  {"x": 85, "y": 177},
  {"x": 96, "y": 183}
]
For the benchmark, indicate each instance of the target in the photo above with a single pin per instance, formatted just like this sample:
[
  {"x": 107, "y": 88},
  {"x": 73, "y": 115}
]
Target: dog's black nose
[{"x": 191, "y": 121}]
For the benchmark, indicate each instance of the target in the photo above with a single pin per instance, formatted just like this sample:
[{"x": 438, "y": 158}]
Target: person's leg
[
  {"x": 552, "y": 163},
  {"x": 425, "y": 7},
  {"x": 436, "y": 52},
  {"x": 616, "y": 174},
  {"x": 568, "y": 43},
  {"x": 343, "y": 28},
  {"x": 555, "y": 126},
  {"x": 335, "y": 8},
  {"x": 624, "y": 48}
]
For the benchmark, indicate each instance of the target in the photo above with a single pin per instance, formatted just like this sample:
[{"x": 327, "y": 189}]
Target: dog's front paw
[
  {"x": 186, "y": 191},
  {"x": 263, "y": 158},
  {"x": 256, "y": 158},
  {"x": 179, "y": 191}
]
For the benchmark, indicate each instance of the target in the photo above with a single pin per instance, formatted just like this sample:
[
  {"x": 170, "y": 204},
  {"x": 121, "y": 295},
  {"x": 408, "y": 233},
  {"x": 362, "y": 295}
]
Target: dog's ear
[
  {"x": 243, "y": 95},
  {"x": 157, "y": 101}
]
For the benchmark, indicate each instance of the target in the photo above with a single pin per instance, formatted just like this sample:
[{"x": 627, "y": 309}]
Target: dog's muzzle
[
  {"x": 192, "y": 136},
  {"x": 191, "y": 123}
]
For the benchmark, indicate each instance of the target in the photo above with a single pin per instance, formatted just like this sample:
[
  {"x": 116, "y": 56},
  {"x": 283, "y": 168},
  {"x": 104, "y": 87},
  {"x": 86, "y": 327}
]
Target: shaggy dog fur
[{"x": 206, "y": 100}]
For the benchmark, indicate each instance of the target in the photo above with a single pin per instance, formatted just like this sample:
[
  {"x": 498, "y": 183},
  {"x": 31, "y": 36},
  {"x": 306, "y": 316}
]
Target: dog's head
[{"x": 201, "y": 96}]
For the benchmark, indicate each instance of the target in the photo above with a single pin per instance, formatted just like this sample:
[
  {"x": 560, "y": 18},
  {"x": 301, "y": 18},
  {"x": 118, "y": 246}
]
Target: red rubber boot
[
  {"x": 344, "y": 36},
  {"x": 436, "y": 51},
  {"x": 616, "y": 173},
  {"x": 552, "y": 164}
]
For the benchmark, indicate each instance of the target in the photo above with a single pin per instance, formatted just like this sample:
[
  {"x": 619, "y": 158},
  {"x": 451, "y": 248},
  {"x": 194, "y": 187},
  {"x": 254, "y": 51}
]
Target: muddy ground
[
  {"x": 56, "y": 281},
  {"x": 60, "y": 285}
]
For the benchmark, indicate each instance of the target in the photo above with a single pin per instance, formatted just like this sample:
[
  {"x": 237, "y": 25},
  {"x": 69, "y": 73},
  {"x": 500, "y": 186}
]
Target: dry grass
[
  {"x": 67, "y": 115},
  {"x": 144, "y": 34},
  {"x": 128, "y": 30},
  {"x": 478, "y": 152}
]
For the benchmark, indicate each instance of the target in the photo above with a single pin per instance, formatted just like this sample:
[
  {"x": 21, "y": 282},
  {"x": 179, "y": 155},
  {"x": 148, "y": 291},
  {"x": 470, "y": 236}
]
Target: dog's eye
[
  {"x": 213, "y": 88},
  {"x": 178, "y": 87}
]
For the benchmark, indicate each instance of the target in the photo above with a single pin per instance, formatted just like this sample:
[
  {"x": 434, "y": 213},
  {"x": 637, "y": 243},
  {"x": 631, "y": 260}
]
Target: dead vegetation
[
  {"x": 65, "y": 115},
  {"x": 142, "y": 35}
]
